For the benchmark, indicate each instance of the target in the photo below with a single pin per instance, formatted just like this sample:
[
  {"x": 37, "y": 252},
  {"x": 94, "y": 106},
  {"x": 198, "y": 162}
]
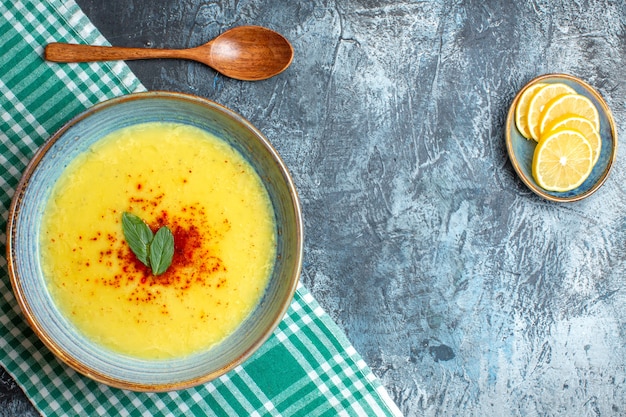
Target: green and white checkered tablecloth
[{"x": 307, "y": 367}]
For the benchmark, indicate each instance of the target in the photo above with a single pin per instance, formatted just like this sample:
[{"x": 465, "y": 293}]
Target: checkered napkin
[{"x": 307, "y": 367}]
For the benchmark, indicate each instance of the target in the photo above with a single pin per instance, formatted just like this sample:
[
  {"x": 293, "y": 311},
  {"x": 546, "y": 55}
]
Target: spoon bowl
[{"x": 248, "y": 53}]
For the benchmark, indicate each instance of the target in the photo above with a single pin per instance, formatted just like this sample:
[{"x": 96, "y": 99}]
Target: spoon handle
[{"x": 65, "y": 52}]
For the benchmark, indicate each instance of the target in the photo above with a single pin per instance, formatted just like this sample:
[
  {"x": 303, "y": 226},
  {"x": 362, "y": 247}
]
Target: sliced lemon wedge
[
  {"x": 521, "y": 110},
  {"x": 579, "y": 124},
  {"x": 539, "y": 101},
  {"x": 562, "y": 161},
  {"x": 569, "y": 105}
]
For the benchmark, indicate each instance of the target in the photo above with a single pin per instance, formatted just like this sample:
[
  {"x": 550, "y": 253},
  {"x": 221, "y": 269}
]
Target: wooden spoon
[{"x": 246, "y": 53}]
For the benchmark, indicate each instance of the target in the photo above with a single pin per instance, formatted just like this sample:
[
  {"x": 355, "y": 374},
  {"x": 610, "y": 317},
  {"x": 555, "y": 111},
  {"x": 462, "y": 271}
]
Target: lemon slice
[
  {"x": 562, "y": 161},
  {"x": 538, "y": 102},
  {"x": 521, "y": 110},
  {"x": 569, "y": 104},
  {"x": 579, "y": 124}
]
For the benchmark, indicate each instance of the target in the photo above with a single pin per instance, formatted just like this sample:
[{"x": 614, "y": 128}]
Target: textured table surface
[{"x": 465, "y": 293}]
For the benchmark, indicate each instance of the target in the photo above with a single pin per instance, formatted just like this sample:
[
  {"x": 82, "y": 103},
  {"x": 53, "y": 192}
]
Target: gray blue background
[{"x": 464, "y": 292}]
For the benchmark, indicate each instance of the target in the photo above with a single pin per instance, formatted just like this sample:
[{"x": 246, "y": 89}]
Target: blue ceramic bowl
[
  {"x": 521, "y": 150},
  {"x": 23, "y": 232}
]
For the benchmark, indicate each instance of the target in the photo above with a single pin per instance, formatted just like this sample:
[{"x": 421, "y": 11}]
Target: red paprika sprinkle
[{"x": 194, "y": 263}]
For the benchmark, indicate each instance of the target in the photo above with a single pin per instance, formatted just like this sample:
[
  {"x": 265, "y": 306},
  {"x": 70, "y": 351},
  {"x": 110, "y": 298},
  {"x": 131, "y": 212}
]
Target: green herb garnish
[
  {"x": 154, "y": 251},
  {"x": 161, "y": 250},
  {"x": 138, "y": 235}
]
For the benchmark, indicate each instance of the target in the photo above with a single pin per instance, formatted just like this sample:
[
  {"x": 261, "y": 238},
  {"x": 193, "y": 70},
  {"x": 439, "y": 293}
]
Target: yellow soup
[{"x": 224, "y": 240}]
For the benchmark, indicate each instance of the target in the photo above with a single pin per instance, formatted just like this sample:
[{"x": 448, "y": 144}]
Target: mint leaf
[
  {"x": 162, "y": 250},
  {"x": 138, "y": 235},
  {"x": 153, "y": 250}
]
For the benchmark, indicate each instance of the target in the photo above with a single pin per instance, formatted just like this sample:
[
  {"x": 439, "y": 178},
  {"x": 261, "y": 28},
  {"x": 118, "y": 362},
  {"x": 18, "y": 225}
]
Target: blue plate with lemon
[{"x": 561, "y": 137}]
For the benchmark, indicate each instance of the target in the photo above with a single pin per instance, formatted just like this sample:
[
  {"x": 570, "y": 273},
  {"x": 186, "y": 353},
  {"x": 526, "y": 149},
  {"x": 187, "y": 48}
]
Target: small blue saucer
[{"x": 521, "y": 150}]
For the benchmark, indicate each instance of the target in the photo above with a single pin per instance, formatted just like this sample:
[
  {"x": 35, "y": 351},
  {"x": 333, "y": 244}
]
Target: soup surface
[{"x": 170, "y": 175}]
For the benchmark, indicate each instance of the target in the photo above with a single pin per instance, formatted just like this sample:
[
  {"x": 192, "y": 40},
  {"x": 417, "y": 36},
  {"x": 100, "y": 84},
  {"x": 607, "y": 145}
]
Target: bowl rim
[
  {"x": 510, "y": 122},
  {"x": 40, "y": 330}
]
